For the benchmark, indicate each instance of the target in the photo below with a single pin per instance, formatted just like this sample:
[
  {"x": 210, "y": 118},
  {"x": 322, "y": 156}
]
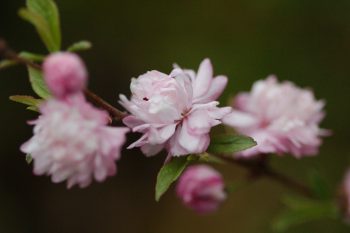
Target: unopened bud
[
  {"x": 201, "y": 188},
  {"x": 65, "y": 74}
]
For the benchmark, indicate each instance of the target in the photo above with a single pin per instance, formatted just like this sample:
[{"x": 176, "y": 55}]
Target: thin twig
[
  {"x": 261, "y": 169},
  {"x": 98, "y": 101},
  {"x": 8, "y": 53}
]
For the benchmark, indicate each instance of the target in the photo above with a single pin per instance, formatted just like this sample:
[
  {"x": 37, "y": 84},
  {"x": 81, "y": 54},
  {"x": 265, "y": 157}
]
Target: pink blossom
[
  {"x": 281, "y": 117},
  {"x": 65, "y": 74},
  {"x": 73, "y": 142},
  {"x": 175, "y": 111},
  {"x": 346, "y": 196},
  {"x": 201, "y": 188}
]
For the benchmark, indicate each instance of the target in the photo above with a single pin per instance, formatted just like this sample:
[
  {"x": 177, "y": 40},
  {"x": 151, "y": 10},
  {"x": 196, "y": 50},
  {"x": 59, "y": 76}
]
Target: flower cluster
[
  {"x": 176, "y": 111},
  {"x": 71, "y": 138},
  {"x": 345, "y": 196},
  {"x": 281, "y": 117},
  {"x": 73, "y": 142}
]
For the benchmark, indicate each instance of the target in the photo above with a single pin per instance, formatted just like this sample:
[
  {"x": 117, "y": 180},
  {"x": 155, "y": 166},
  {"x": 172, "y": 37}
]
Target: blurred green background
[{"x": 307, "y": 42}]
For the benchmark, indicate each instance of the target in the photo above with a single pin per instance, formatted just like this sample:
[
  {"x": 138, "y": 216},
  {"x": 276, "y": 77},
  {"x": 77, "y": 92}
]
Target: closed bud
[
  {"x": 65, "y": 74},
  {"x": 201, "y": 188}
]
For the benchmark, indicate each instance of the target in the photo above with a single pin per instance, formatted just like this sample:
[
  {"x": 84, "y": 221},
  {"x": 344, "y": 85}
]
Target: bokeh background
[{"x": 307, "y": 42}]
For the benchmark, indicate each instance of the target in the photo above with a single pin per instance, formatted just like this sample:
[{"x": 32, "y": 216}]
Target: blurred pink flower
[
  {"x": 201, "y": 188},
  {"x": 73, "y": 142},
  {"x": 281, "y": 117},
  {"x": 65, "y": 74},
  {"x": 346, "y": 196},
  {"x": 175, "y": 111}
]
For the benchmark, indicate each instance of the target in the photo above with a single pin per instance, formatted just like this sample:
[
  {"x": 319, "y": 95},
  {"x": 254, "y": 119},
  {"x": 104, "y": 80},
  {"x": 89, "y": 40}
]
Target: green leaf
[
  {"x": 38, "y": 83},
  {"x": 33, "y": 108},
  {"x": 29, "y": 158},
  {"x": 80, "y": 46},
  {"x": 207, "y": 158},
  {"x": 169, "y": 173},
  {"x": 27, "y": 100},
  {"x": 32, "y": 56},
  {"x": 7, "y": 63},
  {"x": 230, "y": 144},
  {"x": 44, "y": 15},
  {"x": 303, "y": 210},
  {"x": 319, "y": 186}
]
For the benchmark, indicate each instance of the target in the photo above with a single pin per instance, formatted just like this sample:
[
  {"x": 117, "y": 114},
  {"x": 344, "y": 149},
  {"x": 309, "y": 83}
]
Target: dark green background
[{"x": 307, "y": 42}]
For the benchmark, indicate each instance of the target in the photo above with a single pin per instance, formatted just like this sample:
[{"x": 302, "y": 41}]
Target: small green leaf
[
  {"x": 29, "y": 158},
  {"x": 33, "y": 108},
  {"x": 80, "y": 46},
  {"x": 32, "y": 56},
  {"x": 38, "y": 83},
  {"x": 230, "y": 144},
  {"x": 169, "y": 173},
  {"x": 302, "y": 210},
  {"x": 319, "y": 186},
  {"x": 7, "y": 63},
  {"x": 44, "y": 15},
  {"x": 207, "y": 158},
  {"x": 41, "y": 26},
  {"x": 26, "y": 99}
]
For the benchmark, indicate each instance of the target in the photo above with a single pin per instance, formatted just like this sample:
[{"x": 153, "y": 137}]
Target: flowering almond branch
[
  {"x": 73, "y": 141},
  {"x": 256, "y": 168}
]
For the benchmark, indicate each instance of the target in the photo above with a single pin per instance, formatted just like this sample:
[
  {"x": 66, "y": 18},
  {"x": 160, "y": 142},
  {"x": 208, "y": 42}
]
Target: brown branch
[
  {"x": 98, "y": 101},
  {"x": 260, "y": 168},
  {"x": 7, "y": 53}
]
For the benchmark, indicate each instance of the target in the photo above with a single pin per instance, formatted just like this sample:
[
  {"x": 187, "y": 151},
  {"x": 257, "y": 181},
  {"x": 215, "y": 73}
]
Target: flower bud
[
  {"x": 65, "y": 74},
  {"x": 201, "y": 188}
]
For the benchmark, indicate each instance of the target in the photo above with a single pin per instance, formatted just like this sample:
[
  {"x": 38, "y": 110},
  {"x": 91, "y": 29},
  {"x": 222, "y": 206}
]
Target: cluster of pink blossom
[
  {"x": 346, "y": 196},
  {"x": 71, "y": 138},
  {"x": 281, "y": 117}
]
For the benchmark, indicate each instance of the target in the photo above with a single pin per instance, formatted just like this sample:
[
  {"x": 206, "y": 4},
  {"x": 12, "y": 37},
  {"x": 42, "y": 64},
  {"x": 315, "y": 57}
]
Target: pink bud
[
  {"x": 201, "y": 188},
  {"x": 65, "y": 74}
]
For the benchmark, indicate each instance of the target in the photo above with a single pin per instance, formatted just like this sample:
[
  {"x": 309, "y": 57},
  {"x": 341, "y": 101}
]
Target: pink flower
[
  {"x": 65, "y": 74},
  {"x": 201, "y": 188},
  {"x": 345, "y": 198},
  {"x": 175, "y": 111},
  {"x": 281, "y": 117},
  {"x": 73, "y": 142}
]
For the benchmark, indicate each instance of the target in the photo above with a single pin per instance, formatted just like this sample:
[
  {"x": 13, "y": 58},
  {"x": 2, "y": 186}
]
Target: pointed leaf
[
  {"x": 33, "y": 108},
  {"x": 80, "y": 46},
  {"x": 26, "y": 99},
  {"x": 230, "y": 144},
  {"x": 38, "y": 83},
  {"x": 44, "y": 15},
  {"x": 169, "y": 173},
  {"x": 32, "y": 56},
  {"x": 207, "y": 158},
  {"x": 29, "y": 158},
  {"x": 302, "y": 210},
  {"x": 7, "y": 63},
  {"x": 319, "y": 186}
]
